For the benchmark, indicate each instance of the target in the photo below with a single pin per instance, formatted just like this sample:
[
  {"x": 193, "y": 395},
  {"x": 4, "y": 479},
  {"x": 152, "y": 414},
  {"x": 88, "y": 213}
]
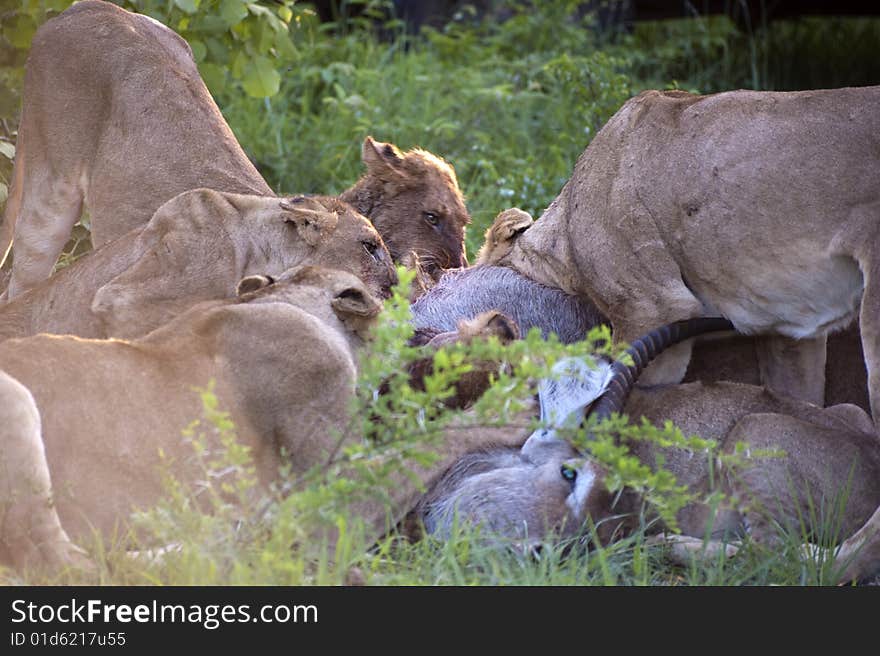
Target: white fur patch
[
  {"x": 577, "y": 382},
  {"x": 583, "y": 485}
]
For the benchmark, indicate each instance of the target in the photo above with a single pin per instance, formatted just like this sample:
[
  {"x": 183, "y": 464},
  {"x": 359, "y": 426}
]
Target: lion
[
  {"x": 161, "y": 135},
  {"x": 303, "y": 327},
  {"x": 84, "y": 420},
  {"x": 761, "y": 207},
  {"x": 197, "y": 247},
  {"x": 414, "y": 201}
]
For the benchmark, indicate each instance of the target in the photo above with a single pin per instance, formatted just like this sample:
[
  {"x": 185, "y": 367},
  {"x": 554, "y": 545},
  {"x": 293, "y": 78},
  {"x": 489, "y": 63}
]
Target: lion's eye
[
  {"x": 432, "y": 219},
  {"x": 569, "y": 473},
  {"x": 372, "y": 249}
]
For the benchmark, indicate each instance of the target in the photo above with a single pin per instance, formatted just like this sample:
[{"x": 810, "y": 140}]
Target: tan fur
[
  {"x": 830, "y": 452},
  {"x": 735, "y": 359},
  {"x": 762, "y": 207},
  {"x": 95, "y": 128},
  {"x": 822, "y": 446},
  {"x": 122, "y": 134},
  {"x": 500, "y": 237},
  {"x": 26, "y": 488},
  {"x": 108, "y": 407},
  {"x": 283, "y": 359},
  {"x": 196, "y": 247},
  {"x": 414, "y": 201}
]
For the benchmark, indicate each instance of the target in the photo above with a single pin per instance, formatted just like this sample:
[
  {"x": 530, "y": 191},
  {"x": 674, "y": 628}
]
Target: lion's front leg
[
  {"x": 678, "y": 304},
  {"x": 869, "y": 325},
  {"x": 793, "y": 367}
]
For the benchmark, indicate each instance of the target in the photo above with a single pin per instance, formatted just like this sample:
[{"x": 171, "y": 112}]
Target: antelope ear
[
  {"x": 566, "y": 395},
  {"x": 313, "y": 221},
  {"x": 575, "y": 383},
  {"x": 355, "y": 301},
  {"x": 250, "y": 284},
  {"x": 382, "y": 160}
]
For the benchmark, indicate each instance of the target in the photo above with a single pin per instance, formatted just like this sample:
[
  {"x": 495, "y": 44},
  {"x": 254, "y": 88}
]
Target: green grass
[{"x": 465, "y": 559}]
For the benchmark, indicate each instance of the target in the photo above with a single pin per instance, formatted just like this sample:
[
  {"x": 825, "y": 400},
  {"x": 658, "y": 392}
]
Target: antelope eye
[
  {"x": 569, "y": 473},
  {"x": 431, "y": 218}
]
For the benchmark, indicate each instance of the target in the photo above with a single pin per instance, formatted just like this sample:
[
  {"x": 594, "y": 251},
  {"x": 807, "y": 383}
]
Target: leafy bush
[
  {"x": 239, "y": 40},
  {"x": 711, "y": 53}
]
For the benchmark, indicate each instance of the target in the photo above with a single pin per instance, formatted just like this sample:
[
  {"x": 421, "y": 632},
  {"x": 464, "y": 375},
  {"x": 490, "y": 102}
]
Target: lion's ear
[
  {"x": 383, "y": 160},
  {"x": 355, "y": 301},
  {"x": 313, "y": 221},
  {"x": 250, "y": 284},
  {"x": 498, "y": 324},
  {"x": 501, "y": 235}
]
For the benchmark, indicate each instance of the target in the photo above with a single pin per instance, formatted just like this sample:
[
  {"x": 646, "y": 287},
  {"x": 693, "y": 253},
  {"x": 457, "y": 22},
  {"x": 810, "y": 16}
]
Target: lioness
[
  {"x": 414, "y": 201},
  {"x": 762, "y": 207},
  {"x": 282, "y": 357},
  {"x": 83, "y": 421},
  {"x": 122, "y": 133},
  {"x": 197, "y": 247}
]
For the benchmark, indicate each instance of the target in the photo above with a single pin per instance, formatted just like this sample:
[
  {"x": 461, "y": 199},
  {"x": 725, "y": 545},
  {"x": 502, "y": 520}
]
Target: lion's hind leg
[{"x": 31, "y": 534}]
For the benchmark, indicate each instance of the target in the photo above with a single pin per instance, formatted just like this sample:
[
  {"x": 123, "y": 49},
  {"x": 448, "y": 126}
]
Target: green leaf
[
  {"x": 260, "y": 79},
  {"x": 218, "y": 51},
  {"x": 20, "y": 31},
  {"x": 257, "y": 10},
  {"x": 7, "y": 149},
  {"x": 55, "y": 5},
  {"x": 188, "y": 6},
  {"x": 214, "y": 76},
  {"x": 4, "y": 192},
  {"x": 285, "y": 13},
  {"x": 199, "y": 50},
  {"x": 233, "y": 12},
  {"x": 240, "y": 62}
]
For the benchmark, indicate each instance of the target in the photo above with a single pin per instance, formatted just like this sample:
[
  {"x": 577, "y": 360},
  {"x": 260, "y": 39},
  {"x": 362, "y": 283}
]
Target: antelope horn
[{"x": 642, "y": 351}]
